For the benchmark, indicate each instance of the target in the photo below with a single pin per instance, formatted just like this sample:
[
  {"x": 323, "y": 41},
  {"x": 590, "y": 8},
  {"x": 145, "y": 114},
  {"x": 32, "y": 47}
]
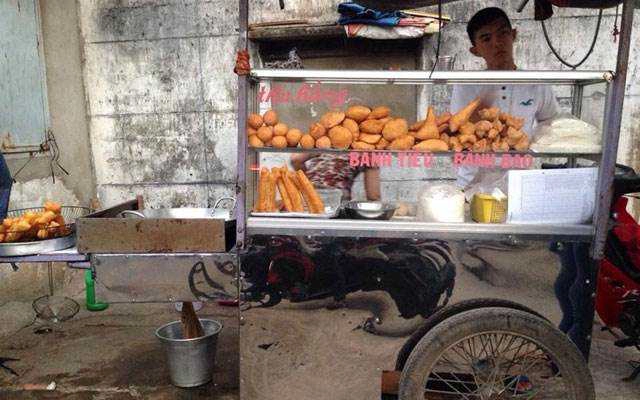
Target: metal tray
[
  {"x": 329, "y": 212},
  {"x": 37, "y": 247}
]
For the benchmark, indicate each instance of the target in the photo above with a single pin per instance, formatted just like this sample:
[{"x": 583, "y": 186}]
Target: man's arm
[
  {"x": 372, "y": 183},
  {"x": 298, "y": 160}
]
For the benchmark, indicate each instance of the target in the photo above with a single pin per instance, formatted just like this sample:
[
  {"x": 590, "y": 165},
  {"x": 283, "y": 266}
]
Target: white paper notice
[{"x": 552, "y": 196}]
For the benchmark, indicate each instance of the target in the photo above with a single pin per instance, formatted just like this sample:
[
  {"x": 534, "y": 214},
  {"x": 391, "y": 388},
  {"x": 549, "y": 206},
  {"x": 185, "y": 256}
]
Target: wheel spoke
[{"x": 503, "y": 366}]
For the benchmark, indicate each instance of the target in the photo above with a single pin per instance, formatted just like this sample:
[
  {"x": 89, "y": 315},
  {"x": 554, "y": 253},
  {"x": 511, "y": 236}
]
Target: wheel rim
[{"x": 496, "y": 365}]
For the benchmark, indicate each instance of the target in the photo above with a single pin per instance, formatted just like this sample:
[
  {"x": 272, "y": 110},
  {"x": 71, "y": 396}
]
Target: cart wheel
[
  {"x": 495, "y": 353},
  {"x": 450, "y": 311}
]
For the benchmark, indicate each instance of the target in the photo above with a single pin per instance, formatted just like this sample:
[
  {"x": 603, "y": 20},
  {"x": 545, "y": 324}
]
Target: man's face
[{"x": 494, "y": 43}]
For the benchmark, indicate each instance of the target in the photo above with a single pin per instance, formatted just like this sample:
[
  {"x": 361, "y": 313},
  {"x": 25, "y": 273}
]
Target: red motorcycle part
[{"x": 613, "y": 283}]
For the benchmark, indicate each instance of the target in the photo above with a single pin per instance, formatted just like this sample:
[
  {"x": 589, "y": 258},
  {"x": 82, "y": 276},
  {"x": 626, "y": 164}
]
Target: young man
[{"x": 492, "y": 38}]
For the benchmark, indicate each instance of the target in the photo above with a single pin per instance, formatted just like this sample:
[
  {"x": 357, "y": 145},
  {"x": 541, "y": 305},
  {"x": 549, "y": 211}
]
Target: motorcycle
[
  {"x": 418, "y": 275},
  {"x": 618, "y": 285}
]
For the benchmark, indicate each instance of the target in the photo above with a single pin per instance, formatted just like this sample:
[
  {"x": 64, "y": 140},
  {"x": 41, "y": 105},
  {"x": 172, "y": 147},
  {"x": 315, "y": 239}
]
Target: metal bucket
[{"x": 190, "y": 361}]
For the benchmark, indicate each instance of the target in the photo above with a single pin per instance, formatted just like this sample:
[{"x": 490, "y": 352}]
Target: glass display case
[{"x": 302, "y": 99}]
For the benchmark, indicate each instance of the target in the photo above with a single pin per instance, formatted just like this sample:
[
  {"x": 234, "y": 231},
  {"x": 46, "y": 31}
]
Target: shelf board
[{"x": 416, "y": 230}]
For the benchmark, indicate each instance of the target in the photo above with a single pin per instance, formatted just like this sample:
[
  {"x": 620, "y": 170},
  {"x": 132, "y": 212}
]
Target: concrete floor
[{"x": 113, "y": 355}]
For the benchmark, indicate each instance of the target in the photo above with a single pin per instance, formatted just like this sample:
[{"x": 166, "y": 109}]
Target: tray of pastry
[{"x": 286, "y": 194}]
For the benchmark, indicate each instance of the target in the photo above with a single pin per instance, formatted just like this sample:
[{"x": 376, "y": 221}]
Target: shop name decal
[
  {"x": 303, "y": 94},
  {"x": 417, "y": 159}
]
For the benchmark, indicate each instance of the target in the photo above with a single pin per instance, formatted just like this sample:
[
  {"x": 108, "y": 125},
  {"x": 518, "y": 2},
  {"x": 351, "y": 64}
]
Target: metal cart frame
[{"x": 595, "y": 233}]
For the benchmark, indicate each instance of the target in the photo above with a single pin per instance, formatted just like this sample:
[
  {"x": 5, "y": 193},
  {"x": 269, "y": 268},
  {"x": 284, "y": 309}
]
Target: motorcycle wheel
[
  {"x": 495, "y": 353},
  {"x": 449, "y": 311}
]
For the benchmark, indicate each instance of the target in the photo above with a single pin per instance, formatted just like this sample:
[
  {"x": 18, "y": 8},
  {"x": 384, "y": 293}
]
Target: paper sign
[{"x": 553, "y": 196}]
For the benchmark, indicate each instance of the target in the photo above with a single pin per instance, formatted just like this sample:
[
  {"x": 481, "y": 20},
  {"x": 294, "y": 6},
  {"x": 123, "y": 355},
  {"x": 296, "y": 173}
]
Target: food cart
[
  {"x": 124, "y": 254},
  {"x": 417, "y": 361}
]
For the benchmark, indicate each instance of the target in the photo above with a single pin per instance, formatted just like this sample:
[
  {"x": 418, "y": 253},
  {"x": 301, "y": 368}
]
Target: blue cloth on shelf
[{"x": 354, "y": 13}]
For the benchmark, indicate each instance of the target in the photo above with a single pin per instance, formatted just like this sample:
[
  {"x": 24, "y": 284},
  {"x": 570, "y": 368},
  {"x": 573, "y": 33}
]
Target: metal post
[
  {"x": 611, "y": 134},
  {"x": 241, "y": 167}
]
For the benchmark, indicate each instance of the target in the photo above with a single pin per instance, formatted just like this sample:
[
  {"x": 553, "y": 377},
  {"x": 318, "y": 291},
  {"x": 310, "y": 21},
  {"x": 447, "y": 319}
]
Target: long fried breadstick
[
  {"x": 292, "y": 191},
  {"x": 261, "y": 203},
  {"x": 271, "y": 193},
  {"x": 282, "y": 189},
  {"x": 309, "y": 192}
]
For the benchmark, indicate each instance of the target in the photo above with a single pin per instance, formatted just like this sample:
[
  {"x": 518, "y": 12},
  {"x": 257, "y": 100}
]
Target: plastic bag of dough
[
  {"x": 440, "y": 201},
  {"x": 566, "y": 134}
]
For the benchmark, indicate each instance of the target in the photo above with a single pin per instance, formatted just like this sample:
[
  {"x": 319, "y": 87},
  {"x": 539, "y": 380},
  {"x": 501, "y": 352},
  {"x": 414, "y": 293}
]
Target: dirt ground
[
  {"x": 113, "y": 355},
  {"x": 301, "y": 351},
  {"x": 305, "y": 351}
]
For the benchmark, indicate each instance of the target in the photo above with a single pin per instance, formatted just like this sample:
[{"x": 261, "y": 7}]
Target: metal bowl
[{"x": 369, "y": 210}]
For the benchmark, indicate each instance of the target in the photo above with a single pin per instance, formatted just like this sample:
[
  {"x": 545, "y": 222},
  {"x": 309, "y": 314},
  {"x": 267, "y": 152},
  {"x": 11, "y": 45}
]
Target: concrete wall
[{"x": 161, "y": 99}]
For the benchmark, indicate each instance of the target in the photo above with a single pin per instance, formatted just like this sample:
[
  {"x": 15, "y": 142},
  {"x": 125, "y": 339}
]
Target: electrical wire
[
  {"x": 435, "y": 62},
  {"x": 555, "y": 52}
]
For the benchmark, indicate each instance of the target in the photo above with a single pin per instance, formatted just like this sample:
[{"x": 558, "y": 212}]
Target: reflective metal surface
[
  {"x": 126, "y": 278},
  {"x": 439, "y": 77},
  {"x": 410, "y": 229}
]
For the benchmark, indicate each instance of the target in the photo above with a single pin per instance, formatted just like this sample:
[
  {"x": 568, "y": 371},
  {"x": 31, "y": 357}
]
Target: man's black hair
[{"x": 485, "y": 17}]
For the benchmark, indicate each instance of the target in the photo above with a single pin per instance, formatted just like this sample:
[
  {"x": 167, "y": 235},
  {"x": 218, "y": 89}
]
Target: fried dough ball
[
  {"x": 372, "y": 126},
  {"x": 340, "y": 137},
  {"x": 468, "y": 128},
  {"x": 307, "y": 142},
  {"x": 323, "y": 143},
  {"x": 317, "y": 130},
  {"x": 395, "y": 129},
  {"x": 255, "y": 121},
  {"x": 331, "y": 119},
  {"x": 265, "y": 133},
  {"x": 270, "y": 118},
  {"x": 362, "y": 146},
  {"x": 404, "y": 142},
  {"x": 293, "y": 137},
  {"x": 379, "y": 112},
  {"x": 369, "y": 138},
  {"x": 251, "y": 131},
  {"x": 254, "y": 141},
  {"x": 352, "y": 126},
  {"x": 432, "y": 145},
  {"x": 279, "y": 142},
  {"x": 382, "y": 144},
  {"x": 358, "y": 113},
  {"x": 489, "y": 113},
  {"x": 280, "y": 129}
]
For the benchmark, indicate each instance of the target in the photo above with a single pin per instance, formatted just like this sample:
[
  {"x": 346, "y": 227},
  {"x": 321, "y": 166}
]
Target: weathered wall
[
  {"x": 65, "y": 91},
  {"x": 161, "y": 98}
]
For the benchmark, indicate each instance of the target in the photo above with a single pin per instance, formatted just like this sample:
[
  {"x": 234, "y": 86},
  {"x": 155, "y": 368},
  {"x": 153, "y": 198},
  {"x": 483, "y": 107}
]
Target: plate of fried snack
[
  {"x": 40, "y": 223},
  {"x": 284, "y": 193},
  {"x": 360, "y": 127}
]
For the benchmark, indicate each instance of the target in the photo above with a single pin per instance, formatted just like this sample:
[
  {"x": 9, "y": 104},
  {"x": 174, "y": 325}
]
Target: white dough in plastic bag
[
  {"x": 441, "y": 202},
  {"x": 566, "y": 134}
]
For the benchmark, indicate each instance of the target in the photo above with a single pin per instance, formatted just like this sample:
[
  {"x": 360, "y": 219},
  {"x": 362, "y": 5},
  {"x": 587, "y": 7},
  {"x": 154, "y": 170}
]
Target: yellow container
[{"x": 487, "y": 209}]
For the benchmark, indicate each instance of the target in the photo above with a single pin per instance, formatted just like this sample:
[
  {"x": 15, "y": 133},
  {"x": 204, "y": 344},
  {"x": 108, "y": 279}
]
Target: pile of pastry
[
  {"x": 363, "y": 128},
  {"x": 35, "y": 225},
  {"x": 494, "y": 131},
  {"x": 297, "y": 193}
]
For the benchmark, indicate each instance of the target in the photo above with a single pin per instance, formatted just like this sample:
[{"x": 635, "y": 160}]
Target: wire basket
[
  {"x": 66, "y": 224},
  {"x": 55, "y": 308}
]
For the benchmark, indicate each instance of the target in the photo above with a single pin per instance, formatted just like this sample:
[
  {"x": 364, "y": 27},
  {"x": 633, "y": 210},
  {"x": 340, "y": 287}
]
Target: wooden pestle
[{"x": 191, "y": 326}]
